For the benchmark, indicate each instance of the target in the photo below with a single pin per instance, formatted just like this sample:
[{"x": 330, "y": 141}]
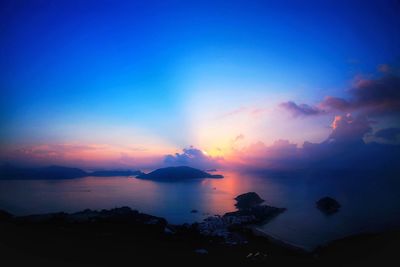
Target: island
[
  {"x": 177, "y": 173},
  {"x": 57, "y": 172},
  {"x": 328, "y": 205}
]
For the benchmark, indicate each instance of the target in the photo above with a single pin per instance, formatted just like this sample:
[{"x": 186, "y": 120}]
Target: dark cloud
[
  {"x": 372, "y": 97},
  {"x": 301, "y": 110},
  {"x": 388, "y": 134},
  {"x": 331, "y": 103},
  {"x": 192, "y": 157},
  {"x": 379, "y": 96}
]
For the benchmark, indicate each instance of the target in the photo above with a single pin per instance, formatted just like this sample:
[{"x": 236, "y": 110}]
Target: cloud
[
  {"x": 373, "y": 97},
  {"x": 238, "y": 138},
  {"x": 331, "y": 103},
  {"x": 349, "y": 129},
  {"x": 380, "y": 96},
  {"x": 54, "y": 151},
  {"x": 79, "y": 155},
  {"x": 192, "y": 157},
  {"x": 384, "y": 68},
  {"x": 301, "y": 110},
  {"x": 251, "y": 111},
  {"x": 343, "y": 149},
  {"x": 259, "y": 155},
  {"x": 388, "y": 134},
  {"x": 234, "y": 112}
]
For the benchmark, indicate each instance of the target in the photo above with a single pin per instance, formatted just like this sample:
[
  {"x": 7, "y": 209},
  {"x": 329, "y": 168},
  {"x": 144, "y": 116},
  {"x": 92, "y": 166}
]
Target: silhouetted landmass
[
  {"x": 123, "y": 214},
  {"x": 328, "y": 205},
  {"x": 248, "y": 200},
  {"x": 5, "y": 216},
  {"x": 177, "y": 173},
  {"x": 115, "y": 173},
  {"x": 52, "y": 172},
  {"x": 56, "y": 172},
  {"x": 121, "y": 236}
]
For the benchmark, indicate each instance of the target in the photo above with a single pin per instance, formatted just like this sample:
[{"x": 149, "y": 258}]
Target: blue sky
[{"x": 151, "y": 73}]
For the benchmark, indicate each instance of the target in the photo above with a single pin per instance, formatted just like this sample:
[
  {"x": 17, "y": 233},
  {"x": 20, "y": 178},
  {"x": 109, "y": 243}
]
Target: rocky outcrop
[{"x": 248, "y": 200}]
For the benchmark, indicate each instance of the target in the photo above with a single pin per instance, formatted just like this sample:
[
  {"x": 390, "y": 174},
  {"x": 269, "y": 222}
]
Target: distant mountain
[
  {"x": 115, "y": 173},
  {"x": 56, "y": 172},
  {"x": 177, "y": 173},
  {"x": 52, "y": 172}
]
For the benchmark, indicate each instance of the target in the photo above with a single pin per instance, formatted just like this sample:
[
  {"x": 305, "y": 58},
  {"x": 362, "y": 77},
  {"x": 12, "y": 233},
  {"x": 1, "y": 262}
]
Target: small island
[
  {"x": 177, "y": 173},
  {"x": 328, "y": 205}
]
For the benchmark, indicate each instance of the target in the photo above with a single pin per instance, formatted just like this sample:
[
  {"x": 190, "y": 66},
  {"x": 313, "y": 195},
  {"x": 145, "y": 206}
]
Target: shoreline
[{"x": 256, "y": 231}]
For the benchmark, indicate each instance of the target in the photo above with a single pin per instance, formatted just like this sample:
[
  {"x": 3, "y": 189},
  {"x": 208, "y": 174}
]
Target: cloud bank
[
  {"x": 344, "y": 149},
  {"x": 372, "y": 97}
]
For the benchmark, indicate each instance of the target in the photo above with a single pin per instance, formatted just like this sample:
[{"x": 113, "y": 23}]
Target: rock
[
  {"x": 328, "y": 205},
  {"x": 248, "y": 200}
]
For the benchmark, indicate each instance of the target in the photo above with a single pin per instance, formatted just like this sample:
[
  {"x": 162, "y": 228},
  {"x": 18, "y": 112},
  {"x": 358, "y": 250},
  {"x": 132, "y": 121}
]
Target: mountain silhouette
[
  {"x": 177, "y": 173},
  {"x": 57, "y": 172}
]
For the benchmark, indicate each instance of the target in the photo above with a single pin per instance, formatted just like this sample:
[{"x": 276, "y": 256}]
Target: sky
[{"x": 132, "y": 83}]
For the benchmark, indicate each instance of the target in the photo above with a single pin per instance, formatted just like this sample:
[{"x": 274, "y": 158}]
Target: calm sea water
[{"x": 369, "y": 203}]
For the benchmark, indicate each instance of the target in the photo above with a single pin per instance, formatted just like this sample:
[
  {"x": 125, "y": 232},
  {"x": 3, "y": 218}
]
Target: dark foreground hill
[{"x": 124, "y": 237}]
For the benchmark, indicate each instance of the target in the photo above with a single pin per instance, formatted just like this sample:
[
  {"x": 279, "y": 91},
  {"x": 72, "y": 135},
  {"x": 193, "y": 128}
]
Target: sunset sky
[{"x": 124, "y": 83}]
